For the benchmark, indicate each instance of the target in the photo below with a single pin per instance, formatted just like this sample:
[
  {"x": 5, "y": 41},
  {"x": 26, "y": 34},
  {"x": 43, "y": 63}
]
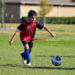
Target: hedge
[{"x": 55, "y": 20}]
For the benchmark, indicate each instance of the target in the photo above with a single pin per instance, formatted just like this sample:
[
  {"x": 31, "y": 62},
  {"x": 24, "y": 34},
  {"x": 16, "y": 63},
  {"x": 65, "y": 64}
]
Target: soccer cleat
[
  {"x": 28, "y": 64},
  {"x": 23, "y": 59}
]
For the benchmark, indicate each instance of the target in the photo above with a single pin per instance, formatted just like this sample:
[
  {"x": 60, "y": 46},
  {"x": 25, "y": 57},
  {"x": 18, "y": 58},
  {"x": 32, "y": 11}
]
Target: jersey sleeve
[
  {"x": 20, "y": 27},
  {"x": 39, "y": 25}
]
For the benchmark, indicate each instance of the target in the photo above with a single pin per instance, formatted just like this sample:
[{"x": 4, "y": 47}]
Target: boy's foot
[
  {"x": 28, "y": 64},
  {"x": 23, "y": 59}
]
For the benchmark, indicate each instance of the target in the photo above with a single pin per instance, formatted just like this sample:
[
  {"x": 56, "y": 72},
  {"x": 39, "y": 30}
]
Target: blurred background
[
  {"x": 49, "y": 11},
  {"x": 59, "y": 16}
]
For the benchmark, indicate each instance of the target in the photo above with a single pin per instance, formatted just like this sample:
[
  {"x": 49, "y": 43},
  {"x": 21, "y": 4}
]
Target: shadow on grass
[
  {"x": 52, "y": 56},
  {"x": 54, "y": 68},
  {"x": 10, "y": 65},
  {"x": 20, "y": 66}
]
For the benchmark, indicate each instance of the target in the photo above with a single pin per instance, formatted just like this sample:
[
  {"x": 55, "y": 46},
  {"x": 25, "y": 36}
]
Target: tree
[
  {"x": 45, "y": 8},
  {"x": 73, "y": 0}
]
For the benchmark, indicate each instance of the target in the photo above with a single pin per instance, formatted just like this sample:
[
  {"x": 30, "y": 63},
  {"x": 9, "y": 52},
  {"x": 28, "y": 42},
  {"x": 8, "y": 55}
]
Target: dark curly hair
[{"x": 32, "y": 13}]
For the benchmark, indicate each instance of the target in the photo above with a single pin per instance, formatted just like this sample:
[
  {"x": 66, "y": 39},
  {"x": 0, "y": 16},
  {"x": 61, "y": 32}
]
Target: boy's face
[{"x": 32, "y": 19}]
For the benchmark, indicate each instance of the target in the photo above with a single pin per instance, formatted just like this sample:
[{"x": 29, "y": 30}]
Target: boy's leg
[
  {"x": 25, "y": 54},
  {"x": 24, "y": 60},
  {"x": 30, "y": 46},
  {"x": 30, "y": 50}
]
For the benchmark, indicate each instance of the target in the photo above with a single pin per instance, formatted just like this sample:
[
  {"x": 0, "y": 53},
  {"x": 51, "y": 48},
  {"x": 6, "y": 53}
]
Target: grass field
[{"x": 43, "y": 51}]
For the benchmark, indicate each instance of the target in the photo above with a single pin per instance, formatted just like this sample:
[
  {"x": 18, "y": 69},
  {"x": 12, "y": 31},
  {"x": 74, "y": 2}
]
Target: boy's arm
[
  {"x": 19, "y": 28},
  {"x": 50, "y": 32},
  {"x": 13, "y": 37},
  {"x": 41, "y": 26}
]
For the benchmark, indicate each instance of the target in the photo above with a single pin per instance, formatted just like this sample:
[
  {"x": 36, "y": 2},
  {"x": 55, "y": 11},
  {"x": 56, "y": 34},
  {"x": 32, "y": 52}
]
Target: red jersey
[{"x": 28, "y": 30}]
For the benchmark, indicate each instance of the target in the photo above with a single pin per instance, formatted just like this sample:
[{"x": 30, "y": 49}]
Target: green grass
[
  {"x": 42, "y": 53},
  {"x": 10, "y": 25}
]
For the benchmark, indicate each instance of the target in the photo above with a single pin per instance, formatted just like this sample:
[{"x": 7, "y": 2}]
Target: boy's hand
[
  {"x": 11, "y": 42},
  {"x": 52, "y": 34}
]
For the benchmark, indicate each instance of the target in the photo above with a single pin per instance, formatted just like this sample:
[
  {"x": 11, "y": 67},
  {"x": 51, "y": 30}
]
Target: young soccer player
[{"x": 27, "y": 32}]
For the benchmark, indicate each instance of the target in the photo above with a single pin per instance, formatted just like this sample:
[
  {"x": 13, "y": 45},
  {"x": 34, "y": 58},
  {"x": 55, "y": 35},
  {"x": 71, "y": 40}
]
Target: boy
[{"x": 27, "y": 32}]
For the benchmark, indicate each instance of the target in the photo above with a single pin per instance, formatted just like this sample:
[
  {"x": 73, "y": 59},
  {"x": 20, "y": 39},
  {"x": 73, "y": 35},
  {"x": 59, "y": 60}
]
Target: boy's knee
[{"x": 26, "y": 46}]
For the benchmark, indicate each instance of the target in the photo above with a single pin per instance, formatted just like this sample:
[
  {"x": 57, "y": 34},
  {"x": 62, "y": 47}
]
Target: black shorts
[{"x": 29, "y": 43}]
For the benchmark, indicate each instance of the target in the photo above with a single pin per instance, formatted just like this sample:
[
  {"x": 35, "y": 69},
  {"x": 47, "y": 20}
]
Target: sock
[
  {"x": 27, "y": 55},
  {"x": 24, "y": 55}
]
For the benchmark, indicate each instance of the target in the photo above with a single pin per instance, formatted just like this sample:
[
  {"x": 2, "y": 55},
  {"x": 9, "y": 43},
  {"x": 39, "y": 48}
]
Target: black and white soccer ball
[{"x": 56, "y": 60}]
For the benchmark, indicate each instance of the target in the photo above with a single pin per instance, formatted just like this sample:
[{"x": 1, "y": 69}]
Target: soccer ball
[{"x": 56, "y": 60}]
